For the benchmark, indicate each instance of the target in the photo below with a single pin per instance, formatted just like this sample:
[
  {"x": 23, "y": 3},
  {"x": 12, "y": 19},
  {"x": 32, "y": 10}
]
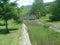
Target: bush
[{"x": 46, "y": 26}]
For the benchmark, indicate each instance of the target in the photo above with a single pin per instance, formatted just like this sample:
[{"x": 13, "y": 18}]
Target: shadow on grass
[
  {"x": 52, "y": 20},
  {"x": 3, "y": 31},
  {"x": 2, "y": 24}
]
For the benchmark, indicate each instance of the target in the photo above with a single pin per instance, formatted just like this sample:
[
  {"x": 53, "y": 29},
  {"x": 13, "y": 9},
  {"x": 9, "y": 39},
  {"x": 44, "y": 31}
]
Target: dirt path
[{"x": 25, "y": 37}]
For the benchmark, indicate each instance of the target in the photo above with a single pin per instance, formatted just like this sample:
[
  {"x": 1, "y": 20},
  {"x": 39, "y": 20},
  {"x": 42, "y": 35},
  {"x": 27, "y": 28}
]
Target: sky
[
  {"x": 48, "y": 1},
  {"x": 27, "y": 2}
]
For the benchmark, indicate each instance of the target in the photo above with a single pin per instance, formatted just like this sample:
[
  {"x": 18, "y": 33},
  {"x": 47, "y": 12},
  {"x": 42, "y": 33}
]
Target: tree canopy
[
  {"x": 38, "y": 8},
  {"x": 55, "y": 10},
  {"x": 7, "y": 11}
]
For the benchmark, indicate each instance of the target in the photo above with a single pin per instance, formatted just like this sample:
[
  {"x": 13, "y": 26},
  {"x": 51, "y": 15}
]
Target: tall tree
[
  {"x": 38, "y": 8},
  {"x": 23, "y": 11},
  {"x": 48, "y": 7},
  {"x": 55, "y": 11},
  {"x": 7, "y": 12}
]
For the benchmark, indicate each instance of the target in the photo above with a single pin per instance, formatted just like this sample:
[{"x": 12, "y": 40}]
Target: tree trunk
[
  {"x": 7, "y": 31},
  {"x": 4, "y": 22}
]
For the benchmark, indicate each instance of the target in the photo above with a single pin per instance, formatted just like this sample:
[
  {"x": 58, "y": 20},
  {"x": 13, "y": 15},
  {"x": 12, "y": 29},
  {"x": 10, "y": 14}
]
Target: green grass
[
  {"x": 46, "y": 19},
  {"x": 11, "y": 38},
  {"x": 56, "y": 23},
  {"x": 42, "y": 35}
]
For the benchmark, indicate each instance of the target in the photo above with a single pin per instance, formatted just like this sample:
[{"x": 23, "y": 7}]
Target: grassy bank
[
  {"x": 46, "y": 20},
  {"x": 42, "y": 35},
  {"x": 12, "y": 37}
]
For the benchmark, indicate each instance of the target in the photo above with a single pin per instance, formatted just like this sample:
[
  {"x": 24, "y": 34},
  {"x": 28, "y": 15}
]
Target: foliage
[
  {"x": 38, "y": 8},
  {"x": 7, "y": 11},
  {"x": 11, "y": 38},
  {"x": 48, "y": 7},
  {"x": 22, "y": 11},
  {"x": 43, "y": 35},
  {"x": 55, "y": 11}
]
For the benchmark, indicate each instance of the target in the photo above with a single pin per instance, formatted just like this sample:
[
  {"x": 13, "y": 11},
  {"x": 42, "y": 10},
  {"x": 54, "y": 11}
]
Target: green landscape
[
  {"x": 12, "y": 37},
  {"x": 30, "y": 24},
  {"x": 42, "y": 35}
]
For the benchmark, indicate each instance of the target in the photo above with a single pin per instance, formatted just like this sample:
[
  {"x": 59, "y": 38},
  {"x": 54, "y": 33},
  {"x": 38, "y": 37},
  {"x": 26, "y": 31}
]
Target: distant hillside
[{"x": 28, "y": 7}]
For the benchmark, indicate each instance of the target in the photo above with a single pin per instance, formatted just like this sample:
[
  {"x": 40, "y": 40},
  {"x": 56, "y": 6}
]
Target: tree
[
  {"x": 23, "y": 11},
  {"x": 38, "y": 8},
  {"x": 48, "y": 7},
  {"x": 55, "y": 11},
  {"x": 7, "y": 12}
]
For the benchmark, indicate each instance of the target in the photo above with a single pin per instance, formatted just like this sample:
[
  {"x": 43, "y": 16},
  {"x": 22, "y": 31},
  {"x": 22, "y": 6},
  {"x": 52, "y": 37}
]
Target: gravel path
[{"x": 25, "y": 37}]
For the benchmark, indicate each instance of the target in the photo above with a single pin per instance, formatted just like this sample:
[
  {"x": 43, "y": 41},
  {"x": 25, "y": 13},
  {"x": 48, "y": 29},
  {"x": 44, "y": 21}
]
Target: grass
[
  {"x": 46, "y": 19},
  {"x": 12, "y": 37},
  {"x": 41, "y": 35},
  {"x": 31, "y": 22}
]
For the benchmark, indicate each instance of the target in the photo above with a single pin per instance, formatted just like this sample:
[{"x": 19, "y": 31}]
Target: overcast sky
[{"x": 28, "y": 2}]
